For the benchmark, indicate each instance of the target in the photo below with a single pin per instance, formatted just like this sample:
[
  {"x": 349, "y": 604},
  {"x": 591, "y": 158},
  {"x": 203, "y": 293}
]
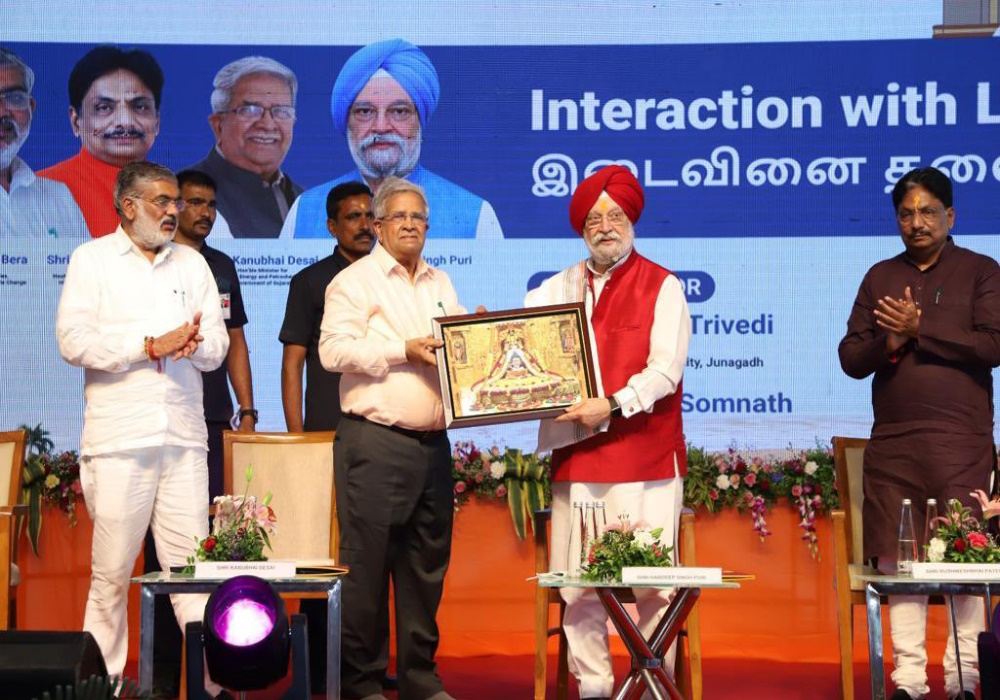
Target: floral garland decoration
[
  {"x": 522, "y": 479},
  {"x": 50, "y": 479},
  {"x": 755, "y": 484}
]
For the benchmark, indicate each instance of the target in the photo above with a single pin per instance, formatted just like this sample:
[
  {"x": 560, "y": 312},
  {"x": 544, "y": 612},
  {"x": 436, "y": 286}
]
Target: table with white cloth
[
  {"x": 647, "y": 670},
  {"x": 877, "y": 585},
  {"x": 162, "y": 583}
]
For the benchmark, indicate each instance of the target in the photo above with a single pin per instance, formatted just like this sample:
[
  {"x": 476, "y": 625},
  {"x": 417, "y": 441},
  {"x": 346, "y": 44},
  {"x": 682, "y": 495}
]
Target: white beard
[
  {"x": 606, "y": 257},
  {"x": 378, "y": 165},
  {"x": 148, "y": 235},
  {"x": 10, "y": 151}
]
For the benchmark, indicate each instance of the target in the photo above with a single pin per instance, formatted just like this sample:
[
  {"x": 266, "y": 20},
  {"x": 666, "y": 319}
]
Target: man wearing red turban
[{"x": 625, "y": 448}]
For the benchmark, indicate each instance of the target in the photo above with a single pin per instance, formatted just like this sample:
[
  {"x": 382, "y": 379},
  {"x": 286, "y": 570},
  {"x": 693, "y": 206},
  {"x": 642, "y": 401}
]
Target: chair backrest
[
  {"x": 848, "y": 458},
  {"x": 11, "y": 465},
  {"x": 297, "y": 470}
]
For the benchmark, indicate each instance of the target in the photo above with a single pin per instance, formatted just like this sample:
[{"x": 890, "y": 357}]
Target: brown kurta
[{"x": 933, "y": 431}]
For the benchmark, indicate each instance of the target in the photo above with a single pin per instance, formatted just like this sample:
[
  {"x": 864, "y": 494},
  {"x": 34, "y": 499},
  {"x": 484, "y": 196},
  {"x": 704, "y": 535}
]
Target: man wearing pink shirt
[{"x": 392, "y": 454}]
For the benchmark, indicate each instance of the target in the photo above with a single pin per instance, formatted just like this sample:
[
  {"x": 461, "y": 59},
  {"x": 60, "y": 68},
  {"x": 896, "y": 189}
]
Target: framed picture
[{"x": 506, "y": 366}]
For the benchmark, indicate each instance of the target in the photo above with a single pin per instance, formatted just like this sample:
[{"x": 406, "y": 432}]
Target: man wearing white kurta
[
  {"x": 626, "y": 449},
  {"x": 30, "y": 206},
  {"x": 141, "y": 315}
]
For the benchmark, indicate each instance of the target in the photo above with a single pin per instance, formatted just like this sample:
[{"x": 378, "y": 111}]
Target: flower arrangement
[
  {"x": 621, "y": 546},
  {"x": 61, "y": 484},
  {"x": 522, "y": 479},
  {"x": 241, "y": 529},
  {"x": 50, "y": 479},
  {"x": 755, "y": 484},
  {"x": 962, "y": 539}
]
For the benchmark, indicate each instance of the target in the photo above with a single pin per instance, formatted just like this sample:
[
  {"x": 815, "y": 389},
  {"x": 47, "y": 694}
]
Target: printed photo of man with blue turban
[{"x": 382, "y": 101}]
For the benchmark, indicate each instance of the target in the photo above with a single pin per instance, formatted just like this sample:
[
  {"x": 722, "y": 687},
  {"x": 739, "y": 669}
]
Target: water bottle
[
  {"x": 602, "y": 518},
  {"x": 930, "y": 527},
  {"x": 577, "y": 534},
  {"x": 590, "y": 524},
  {"x": 907, "y": 551}
]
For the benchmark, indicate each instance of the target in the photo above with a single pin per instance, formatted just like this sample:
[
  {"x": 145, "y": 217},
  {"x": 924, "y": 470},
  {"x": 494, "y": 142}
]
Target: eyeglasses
[
  {"x": 397, "y": 218},
  {"x": 251, "y": 113},
  {"x": 15, "y": 99},
  {"x": 196, "y": 202},
  {"x": 615, "y": 218},
  {"x": 397, "y": 114},
  {"x": 905, "y": 216},
  {"x": 163, "y": 202}
]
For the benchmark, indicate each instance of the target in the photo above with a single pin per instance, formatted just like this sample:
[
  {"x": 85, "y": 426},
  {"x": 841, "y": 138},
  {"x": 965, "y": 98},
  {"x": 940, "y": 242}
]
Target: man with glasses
[
  {"x": 382, "y": 101},
  {"x": 392, "y": 453},
  {"x": 30, "y": 206},
  {"x": 114, "y": 109},
  {"x": 349, "y": 220},
  {"x": 194, "y": 224},
  {"x": 625, "y": 448},
  {"x": 926, "y": 324},
  {"x": 253, "y": 117},
  {"x": 141, "y": 315}
]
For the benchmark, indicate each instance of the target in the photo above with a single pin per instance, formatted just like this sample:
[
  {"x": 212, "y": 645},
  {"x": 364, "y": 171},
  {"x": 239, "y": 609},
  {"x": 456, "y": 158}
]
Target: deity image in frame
[{"x": 522, "y": 364}]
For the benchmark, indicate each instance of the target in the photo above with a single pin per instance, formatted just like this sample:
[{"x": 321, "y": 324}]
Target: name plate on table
[
  {"x": 956, "y": 572},
  {"x": 260, "y": 569},
  {"x": 671, "y": 575}
]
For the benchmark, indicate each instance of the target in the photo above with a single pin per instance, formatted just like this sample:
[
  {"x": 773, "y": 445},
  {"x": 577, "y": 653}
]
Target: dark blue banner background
[{"x": 481, "y": 135}]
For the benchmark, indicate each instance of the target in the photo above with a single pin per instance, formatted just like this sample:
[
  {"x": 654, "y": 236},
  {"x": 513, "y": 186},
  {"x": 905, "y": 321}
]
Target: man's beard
[
  {"x": 607, "y": 257},
  {"x": 378, "y": 164},
  {"x": 148, "y": 235},
  {"x": 10, "y": 151}
]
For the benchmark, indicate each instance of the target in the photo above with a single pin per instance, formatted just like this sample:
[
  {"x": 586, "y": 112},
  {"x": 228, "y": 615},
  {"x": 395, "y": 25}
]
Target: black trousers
[
  {"x": 395, "y": 502},
  {"x": 167, "y": 640}
]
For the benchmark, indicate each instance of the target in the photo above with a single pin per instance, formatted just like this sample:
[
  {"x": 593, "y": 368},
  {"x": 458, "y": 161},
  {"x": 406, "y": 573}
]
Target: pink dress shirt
[{"x": 372, "y": 308}]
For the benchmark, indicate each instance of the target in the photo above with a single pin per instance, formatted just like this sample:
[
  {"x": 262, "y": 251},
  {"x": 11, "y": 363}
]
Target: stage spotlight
[{"x": 246, "y": 639}]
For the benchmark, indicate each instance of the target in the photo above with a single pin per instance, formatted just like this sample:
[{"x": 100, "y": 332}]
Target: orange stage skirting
[{"x": 788, "y": 613}]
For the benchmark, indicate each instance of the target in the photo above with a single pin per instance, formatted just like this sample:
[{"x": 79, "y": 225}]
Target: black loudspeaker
[{"x": 32, "y": 663}]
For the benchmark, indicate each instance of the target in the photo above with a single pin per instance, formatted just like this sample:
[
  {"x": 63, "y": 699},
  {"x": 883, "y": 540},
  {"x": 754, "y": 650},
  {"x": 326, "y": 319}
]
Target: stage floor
[{"x": 511, "y": 678}]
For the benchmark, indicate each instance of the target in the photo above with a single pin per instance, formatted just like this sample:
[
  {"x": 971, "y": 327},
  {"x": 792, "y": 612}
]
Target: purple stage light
[
  {"x": 245, "y": 622},
  {"x": 246, "y": 634}
]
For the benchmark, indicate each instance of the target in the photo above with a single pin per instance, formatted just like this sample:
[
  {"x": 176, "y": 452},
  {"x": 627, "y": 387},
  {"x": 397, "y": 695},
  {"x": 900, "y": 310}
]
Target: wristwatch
[
  {"x": 252, "y": 412},
  {"x": 616, "y": 408}
]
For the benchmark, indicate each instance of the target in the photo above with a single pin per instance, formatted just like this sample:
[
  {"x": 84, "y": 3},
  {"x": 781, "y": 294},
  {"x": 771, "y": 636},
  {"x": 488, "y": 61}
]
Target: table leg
[
  {"x": 873, "y": 601},
  {"x": 333, "y": 641},
  {"x": 647, "y": 664},
  {"x": 146, "y": 636},
  {"x": 958, "y": 654}
]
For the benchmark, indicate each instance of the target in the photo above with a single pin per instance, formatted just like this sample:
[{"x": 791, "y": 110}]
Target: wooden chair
[
  {"x": 848, "y": 552},
  {"x": 688, "y": 674},
  {"x": 11, "y": 515},
  {"x": 297, "y": 470}
]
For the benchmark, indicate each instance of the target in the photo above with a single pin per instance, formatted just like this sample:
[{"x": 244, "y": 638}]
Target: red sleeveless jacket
[{"x": 643, "y": 447}]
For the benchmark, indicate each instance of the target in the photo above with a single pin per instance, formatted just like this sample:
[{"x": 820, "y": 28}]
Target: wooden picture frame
[{"x": 515, "y": 365}]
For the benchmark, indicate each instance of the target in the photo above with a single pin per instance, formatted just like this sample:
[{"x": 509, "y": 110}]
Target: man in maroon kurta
[{"x": 927, "y": 324}]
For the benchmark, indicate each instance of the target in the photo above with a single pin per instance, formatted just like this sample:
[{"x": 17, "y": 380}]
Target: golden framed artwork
[{"x": 521, "y": 364}]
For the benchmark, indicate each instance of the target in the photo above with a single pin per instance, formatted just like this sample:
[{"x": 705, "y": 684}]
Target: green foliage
[
  {"x": 521, "y": 478},
  {"x": 621, "y": 547},
  {"x": 48, "y": 479}
]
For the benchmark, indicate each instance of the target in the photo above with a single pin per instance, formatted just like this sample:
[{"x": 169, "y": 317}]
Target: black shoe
[
  {"x": 967, "y": 695},
  {"x": 901, "y": 694},
  {"x": 390, "y": 682}
]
